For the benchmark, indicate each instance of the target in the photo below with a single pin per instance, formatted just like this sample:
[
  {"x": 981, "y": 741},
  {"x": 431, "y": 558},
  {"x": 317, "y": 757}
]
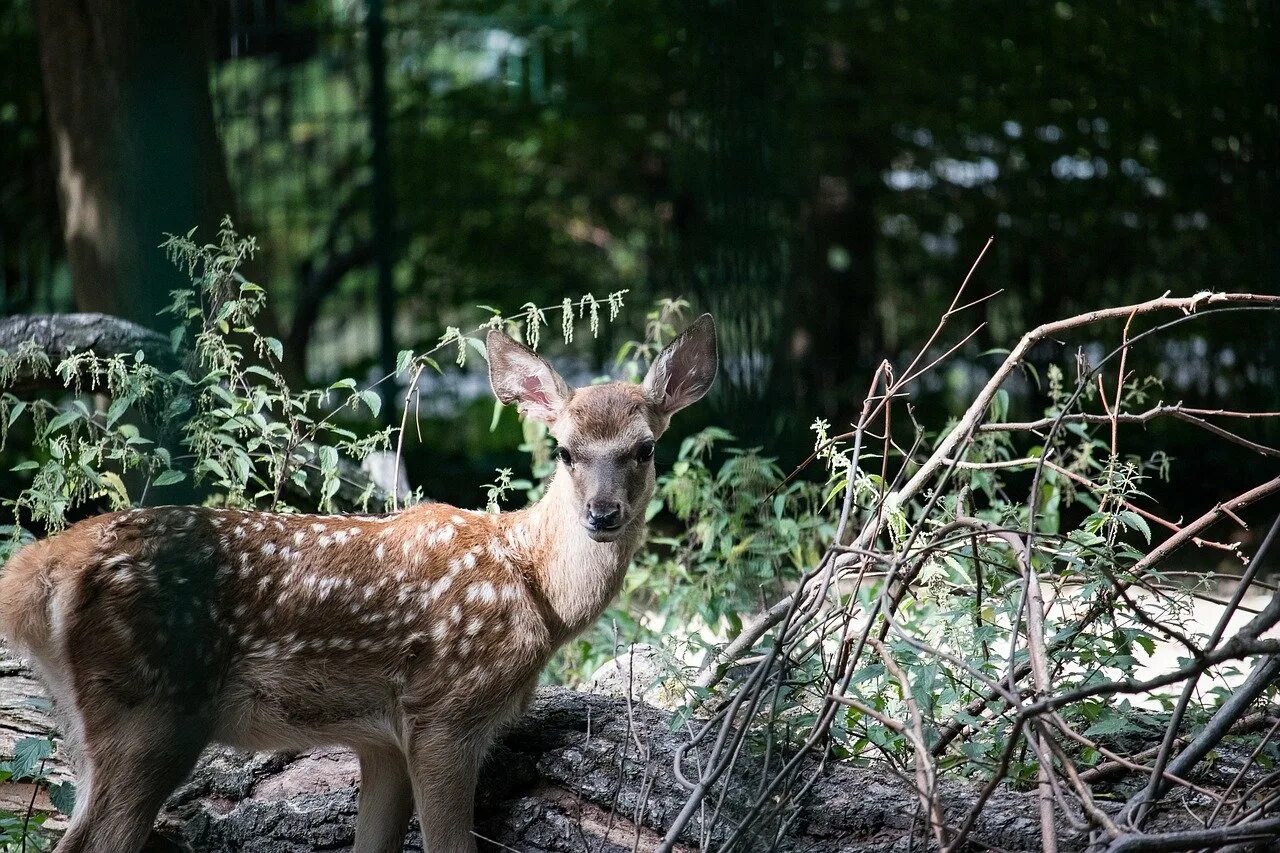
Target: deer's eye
[
  {"x": 561, "y": 453},
  {"x": 644, "y": 451}
]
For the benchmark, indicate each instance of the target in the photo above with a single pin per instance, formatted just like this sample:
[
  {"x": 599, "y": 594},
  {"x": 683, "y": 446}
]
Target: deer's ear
[
  {"x": 521, "y": 376},
  {"x": 683, "y": 372}
]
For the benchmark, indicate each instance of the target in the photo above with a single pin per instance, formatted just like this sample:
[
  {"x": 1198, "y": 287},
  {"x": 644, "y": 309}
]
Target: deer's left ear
[
  {"x": 521, "y": 376},
  {"x": 683, "y": 372}
]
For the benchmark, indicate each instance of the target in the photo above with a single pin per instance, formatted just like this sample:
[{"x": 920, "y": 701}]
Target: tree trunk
[{"x": 131, "y": 123}]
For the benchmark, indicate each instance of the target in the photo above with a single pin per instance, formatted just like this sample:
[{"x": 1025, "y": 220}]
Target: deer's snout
[{"x": 604, "y": 516}]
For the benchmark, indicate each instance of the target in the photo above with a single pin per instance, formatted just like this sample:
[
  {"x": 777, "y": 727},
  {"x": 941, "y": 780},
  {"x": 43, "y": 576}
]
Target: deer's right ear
[
  {"x": 683, "y": 372},
  {"x": 521, "y": 376}
]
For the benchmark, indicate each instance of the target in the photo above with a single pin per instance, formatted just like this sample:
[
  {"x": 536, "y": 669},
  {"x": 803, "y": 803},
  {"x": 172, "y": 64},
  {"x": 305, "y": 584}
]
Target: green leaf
[
  {"x": 372, "y": 400},
  {"x": 63, "y": 797},
  {"x": 403, "y": 360},
  {"x": 25, "y": 466},
  {"x": 118, "y": 407},
  {"x": 1111, "y": 724},
  {"x": 276, "y": 348},
  {"x": 28, "y": 753},
  {"x": 213, "y": 466},
  {"x": 1000, "y": 406},
  {"x": 259, "y": 370},
  {"x": 1134, "y": 521},
  {"x": 60, "y": 421},
  {"x": 169, "y": 477}
]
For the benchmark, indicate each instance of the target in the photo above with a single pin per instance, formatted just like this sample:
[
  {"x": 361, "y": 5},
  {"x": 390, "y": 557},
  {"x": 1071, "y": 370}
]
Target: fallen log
[
  {"x": 578, "y": 773},
  {"x": 60, "y": 335}
]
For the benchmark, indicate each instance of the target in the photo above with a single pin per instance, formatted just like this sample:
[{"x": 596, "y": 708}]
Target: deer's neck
[{"x": 576, "y": 575}]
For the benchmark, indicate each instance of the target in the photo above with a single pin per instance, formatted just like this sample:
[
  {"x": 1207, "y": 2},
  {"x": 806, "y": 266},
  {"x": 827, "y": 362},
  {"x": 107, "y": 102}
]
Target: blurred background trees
[{"x": 818, "y": 174}]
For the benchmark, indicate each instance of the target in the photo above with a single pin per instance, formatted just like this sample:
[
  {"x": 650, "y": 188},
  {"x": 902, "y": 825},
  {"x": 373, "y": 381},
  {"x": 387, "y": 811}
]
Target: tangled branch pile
[{"x": 952, "y": 628}]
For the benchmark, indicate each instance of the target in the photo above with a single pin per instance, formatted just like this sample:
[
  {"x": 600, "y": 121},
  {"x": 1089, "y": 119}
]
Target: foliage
[
  {"x": 831, "y": 158},
  {"x": 729, "y": 529},
  {"x": 21, "y": 832}
]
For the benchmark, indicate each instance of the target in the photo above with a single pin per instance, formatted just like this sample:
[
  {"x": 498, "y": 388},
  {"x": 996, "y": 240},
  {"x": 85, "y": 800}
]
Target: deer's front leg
[
  {"x": 444, "y": 762},
  {"x": 386, "y": 800}
]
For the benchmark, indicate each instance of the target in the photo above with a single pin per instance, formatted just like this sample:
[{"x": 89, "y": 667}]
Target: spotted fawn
[{"x": 412, "y": 638}]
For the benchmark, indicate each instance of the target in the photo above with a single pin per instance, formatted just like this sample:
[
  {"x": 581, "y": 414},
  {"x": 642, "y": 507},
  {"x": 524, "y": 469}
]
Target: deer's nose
[{"x": 604, "y": 515}]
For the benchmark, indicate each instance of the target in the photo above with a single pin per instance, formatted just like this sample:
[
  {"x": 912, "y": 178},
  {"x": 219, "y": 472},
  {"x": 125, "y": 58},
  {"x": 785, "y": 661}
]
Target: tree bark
[{"x": 131, "y": 123}]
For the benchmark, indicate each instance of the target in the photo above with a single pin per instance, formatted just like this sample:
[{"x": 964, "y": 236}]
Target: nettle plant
[{"x": 244, "y": 436}]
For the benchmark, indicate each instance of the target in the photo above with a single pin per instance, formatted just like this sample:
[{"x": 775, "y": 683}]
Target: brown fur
[{"x": 411, "y": 638}]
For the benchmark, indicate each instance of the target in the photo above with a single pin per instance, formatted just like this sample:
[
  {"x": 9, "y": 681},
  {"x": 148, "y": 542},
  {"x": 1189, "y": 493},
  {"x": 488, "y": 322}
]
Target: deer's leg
[
  {"x": 385, "y": 802},
  {"x": 133, "y": 759},
  {"x": 444, "y": 764}
]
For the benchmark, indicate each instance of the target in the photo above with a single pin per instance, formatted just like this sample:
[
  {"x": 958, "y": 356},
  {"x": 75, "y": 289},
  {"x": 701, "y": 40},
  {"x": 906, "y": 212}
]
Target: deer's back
[{"x": 284, "y": 629}]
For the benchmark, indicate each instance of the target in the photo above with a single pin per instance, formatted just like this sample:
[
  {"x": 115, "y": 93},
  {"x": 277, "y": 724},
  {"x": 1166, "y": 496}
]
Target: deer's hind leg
[{"x": 132, "y": 759}]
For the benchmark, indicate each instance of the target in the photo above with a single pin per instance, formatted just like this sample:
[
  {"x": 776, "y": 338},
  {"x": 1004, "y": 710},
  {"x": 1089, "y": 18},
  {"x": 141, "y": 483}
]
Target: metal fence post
[{"x": 383, "y": 203}]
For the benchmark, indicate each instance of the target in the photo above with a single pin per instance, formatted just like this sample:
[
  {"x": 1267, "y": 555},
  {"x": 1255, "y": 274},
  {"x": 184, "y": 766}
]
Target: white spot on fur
[
  {"x": 268, "y": 548},
  {"x": 483, "y": 591},
  {"x": 299, "y": 537},
  {"x": 380, "y": 552}
]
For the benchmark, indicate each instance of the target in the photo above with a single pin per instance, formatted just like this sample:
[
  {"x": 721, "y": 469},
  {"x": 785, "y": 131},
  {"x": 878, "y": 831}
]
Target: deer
[{"x": 411, "y": 638}]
